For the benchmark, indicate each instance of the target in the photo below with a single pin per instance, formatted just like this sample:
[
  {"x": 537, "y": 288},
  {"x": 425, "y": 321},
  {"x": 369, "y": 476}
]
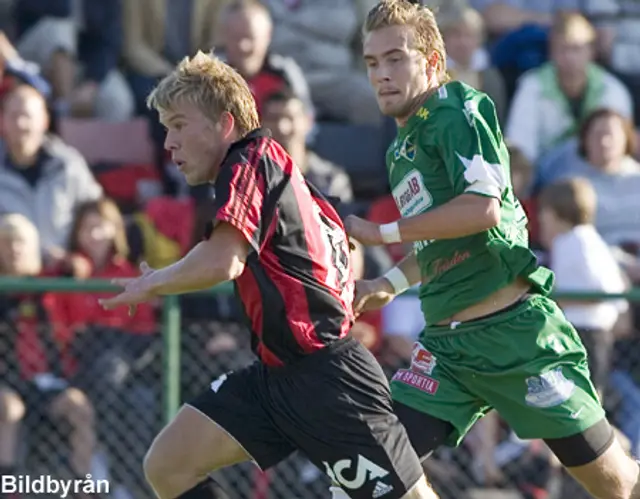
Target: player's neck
[{"x": 417, "y": 104}]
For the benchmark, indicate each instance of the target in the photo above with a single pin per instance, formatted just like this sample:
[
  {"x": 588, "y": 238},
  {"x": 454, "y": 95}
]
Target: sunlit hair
[
  {"x": 107, "y": 210},
  {"x": 573, "y": 27},
  {"x": 427, "y": 36},
  {"x": 462, "y": 16},
  {"x": 212, "y": 86}
]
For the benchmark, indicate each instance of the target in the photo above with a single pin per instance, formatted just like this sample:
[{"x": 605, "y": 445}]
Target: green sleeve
[{"x": 472, "y": 150}]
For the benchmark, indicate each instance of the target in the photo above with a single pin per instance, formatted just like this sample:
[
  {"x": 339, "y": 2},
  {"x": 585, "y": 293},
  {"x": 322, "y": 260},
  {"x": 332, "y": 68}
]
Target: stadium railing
[{"x": 182, "y": 369}]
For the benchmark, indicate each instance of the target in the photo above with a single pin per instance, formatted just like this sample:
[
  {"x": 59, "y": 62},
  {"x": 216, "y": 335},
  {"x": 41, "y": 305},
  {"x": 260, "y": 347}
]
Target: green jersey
[{"x": 453, "y": 145}]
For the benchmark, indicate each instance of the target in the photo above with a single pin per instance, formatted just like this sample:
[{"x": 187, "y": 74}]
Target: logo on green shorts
[{"x": 549, "y": 389}]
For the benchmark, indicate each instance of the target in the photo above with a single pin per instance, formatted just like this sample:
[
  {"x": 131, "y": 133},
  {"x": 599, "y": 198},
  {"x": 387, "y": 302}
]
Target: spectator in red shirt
[
  {"x": 32, "y": 367},
  {"x": 110, "y": 345}
]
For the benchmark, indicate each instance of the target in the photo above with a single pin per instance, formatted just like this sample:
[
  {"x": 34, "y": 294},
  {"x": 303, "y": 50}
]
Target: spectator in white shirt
[{"x": 582, "y": 262}]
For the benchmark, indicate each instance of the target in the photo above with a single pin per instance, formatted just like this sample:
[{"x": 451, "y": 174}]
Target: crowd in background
[{"x": 87, "y": 191}]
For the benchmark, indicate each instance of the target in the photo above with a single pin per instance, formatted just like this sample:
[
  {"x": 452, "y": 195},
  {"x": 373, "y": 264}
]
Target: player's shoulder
[{"x": 455, "y": 98}]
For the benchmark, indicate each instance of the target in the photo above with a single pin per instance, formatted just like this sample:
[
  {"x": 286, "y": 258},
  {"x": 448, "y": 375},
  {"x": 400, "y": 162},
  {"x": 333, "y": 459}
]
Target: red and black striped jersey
[{"x": 297, "y": 286}]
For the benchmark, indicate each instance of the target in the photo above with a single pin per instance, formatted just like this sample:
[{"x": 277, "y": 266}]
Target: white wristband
[
  {"x": 398, "y": 280},
  {"x": 390, "y": 233}
]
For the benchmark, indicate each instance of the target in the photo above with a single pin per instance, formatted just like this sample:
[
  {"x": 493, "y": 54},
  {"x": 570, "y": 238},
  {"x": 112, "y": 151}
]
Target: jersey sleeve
[
  {"x": 471, "y": 147},
  {"x": 240, "y": 192}
]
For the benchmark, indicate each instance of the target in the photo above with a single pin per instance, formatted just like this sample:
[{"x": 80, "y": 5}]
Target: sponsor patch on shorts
[{"x": 417, "y": 380}]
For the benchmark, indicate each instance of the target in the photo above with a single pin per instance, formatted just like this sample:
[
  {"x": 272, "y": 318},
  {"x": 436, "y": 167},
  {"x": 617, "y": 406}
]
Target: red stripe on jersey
[{"x": 268, "y": 357}]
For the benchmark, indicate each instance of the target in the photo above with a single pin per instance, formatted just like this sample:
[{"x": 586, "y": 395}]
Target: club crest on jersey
[
  {"x": 549, "y": 389},
  {"x": 422, "y": 360},
  {"x": 406, "y": 150},
  {"x": 411, "y": 195}
]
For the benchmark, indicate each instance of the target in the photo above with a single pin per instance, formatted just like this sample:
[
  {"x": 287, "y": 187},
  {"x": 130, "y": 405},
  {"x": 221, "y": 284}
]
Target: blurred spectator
[
  {"x": 247, "y": 29},
  {"x": 114, "y": 350},
  {"x": 290, "y": 123},
  {"x": 33, "y": 363},
  {"x": 552, "y": 100},
  {"x": 468, "y": 61},
  {"x": 326, "y": 51},
  {"x": 605, "y": 146},
  {"x": 159, "y": 33},
  {"x": 40, "y": 176},
  {"x": 582, "y": 261},
  {"x": 14, "y": 71},
  {"x": 77, "y": 43}
]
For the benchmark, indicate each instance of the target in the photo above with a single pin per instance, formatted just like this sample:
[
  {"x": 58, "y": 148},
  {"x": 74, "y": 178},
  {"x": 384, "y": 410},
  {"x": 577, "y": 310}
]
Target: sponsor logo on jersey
[
  {"x": 416, "y": 380},
  {"x": 442, "y": 265},
  {"x": 411, "y": 195},
  {"x": 549, "y": 389},
  {"x": 422, "y": 360},
  {"x": 423, "y": 113}
]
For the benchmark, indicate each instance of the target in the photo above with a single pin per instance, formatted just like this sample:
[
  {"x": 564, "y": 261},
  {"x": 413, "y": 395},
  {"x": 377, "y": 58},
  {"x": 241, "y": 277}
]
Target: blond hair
[
  {"x": 454, "y": 17},
  {"x": 427, "y": 36},
  {"x": 211, "y": 85},
  {"x": 12, "y": 224},
  {"x": 573, "y": 27}
]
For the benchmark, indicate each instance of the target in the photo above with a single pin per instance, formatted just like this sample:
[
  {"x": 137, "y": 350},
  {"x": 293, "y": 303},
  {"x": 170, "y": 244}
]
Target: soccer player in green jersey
[{"x": 493, "y": 340}]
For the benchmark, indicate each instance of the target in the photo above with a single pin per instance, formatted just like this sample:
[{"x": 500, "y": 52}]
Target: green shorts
[{"x": 527, "y": 362}]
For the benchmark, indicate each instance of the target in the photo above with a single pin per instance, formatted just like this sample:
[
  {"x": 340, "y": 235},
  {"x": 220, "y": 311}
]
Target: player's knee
[
  {"x": 155, "y": 466},
  {"x": 613, "y": 475},
  {"x": 11, "y": 406}
]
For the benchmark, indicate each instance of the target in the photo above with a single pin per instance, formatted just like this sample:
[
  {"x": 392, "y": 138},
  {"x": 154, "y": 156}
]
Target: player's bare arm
[
  {"x": 464, "y": 215},
  {"x": 220, "y": 258},
  {"x": 373, "y": 294}
]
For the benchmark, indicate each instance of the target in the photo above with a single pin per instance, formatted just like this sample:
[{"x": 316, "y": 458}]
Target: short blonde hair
[
  {"x": 12, "y": 224},
  {"x": 428, "y": 38},
  {"x": 573, "y": 27},
  {"x": 211, "y": 85}
]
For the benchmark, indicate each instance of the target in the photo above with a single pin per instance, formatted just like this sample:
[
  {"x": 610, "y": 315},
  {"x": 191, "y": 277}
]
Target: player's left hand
[
  {"x": 136, "y": 290},
  {"x": 363, "y": 231}
]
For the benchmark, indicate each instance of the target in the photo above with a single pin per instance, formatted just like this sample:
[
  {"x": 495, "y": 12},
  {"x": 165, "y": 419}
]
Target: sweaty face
[
  {"x": 288, "y": 121},
  {"x": 397, "y": 72},
  {"x": 247, "y": 35},
  {"x": 606, "y": 141},
  {"x": 195, "y": 142}
]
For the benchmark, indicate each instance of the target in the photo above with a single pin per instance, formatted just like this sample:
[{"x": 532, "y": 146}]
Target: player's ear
[
  {"x": 431, "y": 64},
  {"x": 227, "y": 123}
]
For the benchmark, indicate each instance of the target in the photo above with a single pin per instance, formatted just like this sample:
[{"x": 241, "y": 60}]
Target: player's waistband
[
  {"x": 502, "y": 315},
  {"x": 320, "y": 356}
]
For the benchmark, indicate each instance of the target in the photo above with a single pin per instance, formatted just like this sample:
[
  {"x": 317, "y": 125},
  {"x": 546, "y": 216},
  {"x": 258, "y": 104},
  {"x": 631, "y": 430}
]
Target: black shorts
[{"x": 334, "y": 406}]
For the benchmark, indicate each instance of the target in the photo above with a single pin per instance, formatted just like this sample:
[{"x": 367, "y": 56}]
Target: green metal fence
[
  {"x": 171, "y": 319},
  {"x": 180, "y": 347}
]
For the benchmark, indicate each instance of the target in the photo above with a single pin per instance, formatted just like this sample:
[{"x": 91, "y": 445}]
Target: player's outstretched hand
[
  {"x": 363, "y": 231},
  {"x": 372, "y": 295},
  {"x": 135, "y": 290}
]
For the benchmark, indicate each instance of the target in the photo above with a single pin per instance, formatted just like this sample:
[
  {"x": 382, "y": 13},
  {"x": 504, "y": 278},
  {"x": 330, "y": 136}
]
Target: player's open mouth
[{"x": 387, "y": 93}]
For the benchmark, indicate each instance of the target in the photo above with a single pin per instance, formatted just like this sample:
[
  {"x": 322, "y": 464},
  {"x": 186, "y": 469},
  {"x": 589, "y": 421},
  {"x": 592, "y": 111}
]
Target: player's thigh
[
  {"x": 433, "y": 404},
  {"x": 339, "y": 413},
  {"x": 225, "y": 425}
]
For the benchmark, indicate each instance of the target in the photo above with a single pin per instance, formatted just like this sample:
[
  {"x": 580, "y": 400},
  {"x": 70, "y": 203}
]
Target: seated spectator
[
  {"x": 40, "y": 177},
  {"x": 109, "y": 345},
  {"x": 32, "y": 362},
  {"x": 582, "y": 262},
  {"x": 77, "y": 44},
  {"x": 290, "y": 123},
  {"x": 464, "y": 35},
  {"x": 246, "y": 46},
  {"x": 325, "y": 50},
  {"x": 551, "y": 101},
  {"x": 605, "y": 147},
  {"x": 159, "y": 33}
]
